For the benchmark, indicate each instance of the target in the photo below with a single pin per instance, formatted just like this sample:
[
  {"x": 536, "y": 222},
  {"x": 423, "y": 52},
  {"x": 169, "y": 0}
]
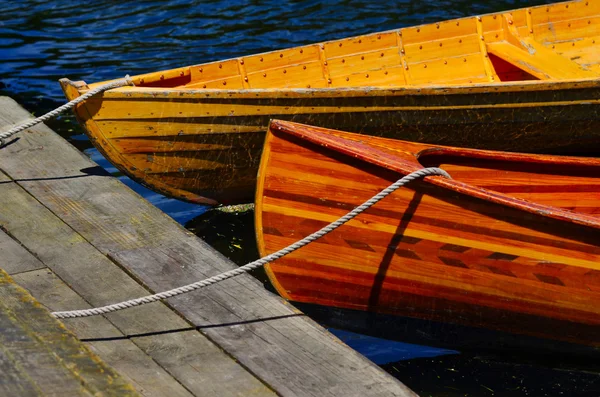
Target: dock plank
[
  {"x": 13, "y": 381},
  {"x": 42, "y": 357},
  {"x": 285, "y": 349},
  {"x": 14, "y": 258},
  {"x": 240, "y": 321},
  {"x": 100, "y": 281},
  {"x": 121, "y": 353}
]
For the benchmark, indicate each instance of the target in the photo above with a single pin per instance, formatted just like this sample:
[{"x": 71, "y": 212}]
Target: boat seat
[{"x": 539, "y": 61}]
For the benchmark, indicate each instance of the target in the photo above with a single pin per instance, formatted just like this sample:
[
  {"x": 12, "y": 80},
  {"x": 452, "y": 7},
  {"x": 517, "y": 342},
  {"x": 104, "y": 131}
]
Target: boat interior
[{"x": 550, "y": 42}]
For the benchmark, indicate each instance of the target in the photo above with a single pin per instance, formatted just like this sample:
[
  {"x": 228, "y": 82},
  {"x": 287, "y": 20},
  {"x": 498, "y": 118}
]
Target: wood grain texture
[
  {"x": 88, "y": 271},
  {"x": 14, "y": 257},
  {"x": 524, "y": 80},
  {"x": 510, "y": 243},
  {"x": 39, "y": 357},
  {"x": 100, "y": 281},
  {"x": 273, "y": 341},
  {"x": 116, "y": 349}
]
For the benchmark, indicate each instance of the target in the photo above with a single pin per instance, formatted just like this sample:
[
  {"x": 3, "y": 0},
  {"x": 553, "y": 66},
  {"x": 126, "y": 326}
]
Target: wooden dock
[
  {"x": 39, "y": 357},
  {"x": 75, "y": 238}
]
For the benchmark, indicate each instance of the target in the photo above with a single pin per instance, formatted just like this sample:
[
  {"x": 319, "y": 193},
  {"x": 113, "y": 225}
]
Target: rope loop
[
  {"x": 108, "y": 86},
  {"x": 262, "y": 261}
]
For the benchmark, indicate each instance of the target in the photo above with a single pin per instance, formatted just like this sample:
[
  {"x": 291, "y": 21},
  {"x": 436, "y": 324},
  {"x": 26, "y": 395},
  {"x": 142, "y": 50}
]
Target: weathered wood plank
[
  {"x": 44, "y": 353},
  {"x": 284, "y": 351},
  {"x": 13, "y": 382},
  {"x": 14, "y": 258},
  {"x": 149, "y": 378},
  {"x": 100, "y": 281}
]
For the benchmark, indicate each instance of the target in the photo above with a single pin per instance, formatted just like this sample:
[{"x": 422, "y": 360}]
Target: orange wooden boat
[
  {"x": 521, "y": 80},
  {"x": 511, "y": 243}
]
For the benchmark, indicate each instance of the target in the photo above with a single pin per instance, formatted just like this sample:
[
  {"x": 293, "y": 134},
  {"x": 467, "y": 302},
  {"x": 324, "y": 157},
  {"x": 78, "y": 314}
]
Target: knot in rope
[
  {"x": 262, "y": 261},
  {"x": 115, "y": 84}
]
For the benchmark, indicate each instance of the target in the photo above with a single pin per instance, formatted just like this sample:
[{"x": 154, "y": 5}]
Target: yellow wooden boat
[{"x": 524, "y": 80}]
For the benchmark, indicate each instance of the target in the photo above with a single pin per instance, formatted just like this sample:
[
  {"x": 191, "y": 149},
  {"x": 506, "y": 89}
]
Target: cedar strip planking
[
  {"x": 533, "y": 301},
  {"x": 426, "y": 223},
  {"x": 506, "y": 255},
  {"x": 488, "y": 289},
  {"x": 430, "y": 251},
  {"x": 335, "y": 293},
  {"x": 99, "y": 281}
]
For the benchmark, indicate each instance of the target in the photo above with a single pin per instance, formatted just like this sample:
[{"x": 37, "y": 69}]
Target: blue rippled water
[{"x": 42, "y": 41}]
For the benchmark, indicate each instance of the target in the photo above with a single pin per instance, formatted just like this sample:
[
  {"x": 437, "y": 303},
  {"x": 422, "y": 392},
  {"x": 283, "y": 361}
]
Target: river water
[{"x": 42, "y": 41}]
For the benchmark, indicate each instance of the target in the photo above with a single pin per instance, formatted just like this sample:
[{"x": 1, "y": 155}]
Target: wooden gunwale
[
  {"x": 367, "y": 152},
  {"x": 162, "y": 93}
]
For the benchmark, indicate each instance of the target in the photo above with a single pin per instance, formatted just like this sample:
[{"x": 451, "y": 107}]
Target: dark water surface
[{"x": 42, "y": 41}]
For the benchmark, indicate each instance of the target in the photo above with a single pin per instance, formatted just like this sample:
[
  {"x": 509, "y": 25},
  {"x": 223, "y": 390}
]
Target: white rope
[
  {"x": 117, "y": 83},
  {"x": 260, "y": 262}
]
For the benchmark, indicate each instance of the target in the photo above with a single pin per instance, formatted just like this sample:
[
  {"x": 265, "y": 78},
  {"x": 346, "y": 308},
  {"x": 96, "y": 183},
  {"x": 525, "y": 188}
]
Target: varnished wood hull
[
  {"x": 440, "y": 250},
  {"x": 525, "y": 80}
]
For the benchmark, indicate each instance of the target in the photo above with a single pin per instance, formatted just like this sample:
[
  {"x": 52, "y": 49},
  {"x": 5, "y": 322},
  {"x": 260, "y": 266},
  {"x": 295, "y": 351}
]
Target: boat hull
[
  {"x": 429, "y": 251},
  {"x": 204, "y": 146},
  {"x": 522, "y": 80}
]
